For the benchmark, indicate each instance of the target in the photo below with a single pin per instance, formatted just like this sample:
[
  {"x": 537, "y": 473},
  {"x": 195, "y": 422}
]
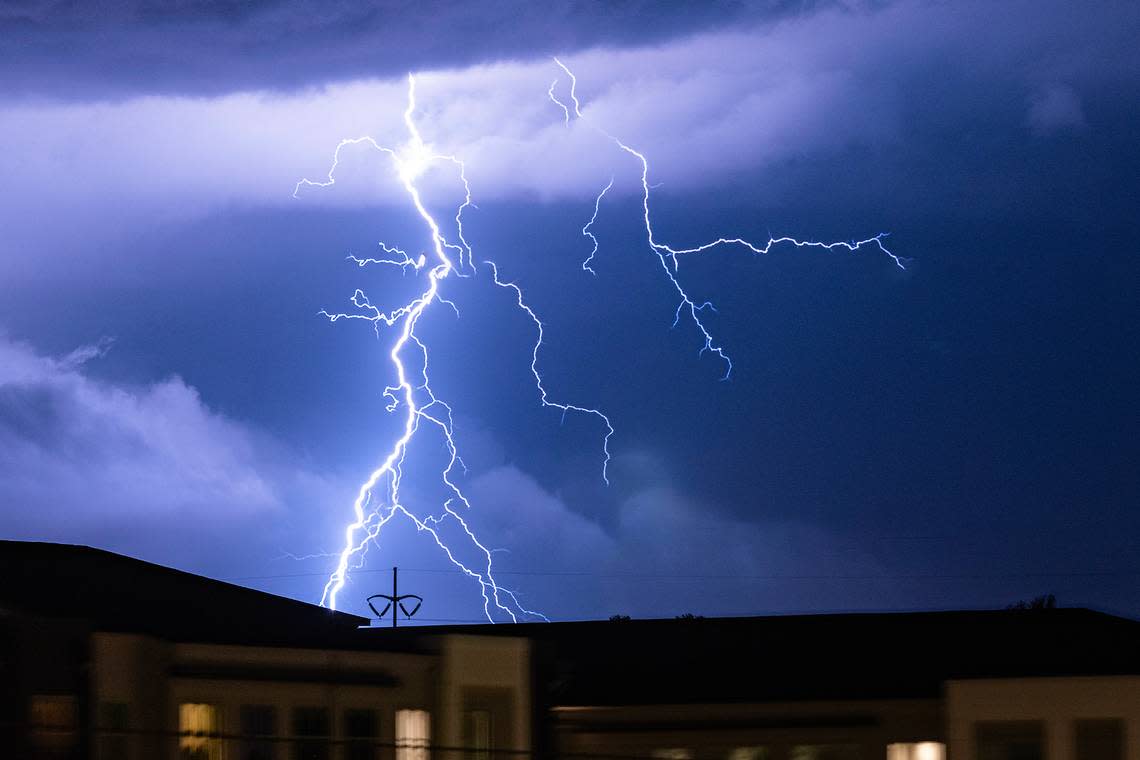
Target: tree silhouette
[{"x": 1044, "y": 602}]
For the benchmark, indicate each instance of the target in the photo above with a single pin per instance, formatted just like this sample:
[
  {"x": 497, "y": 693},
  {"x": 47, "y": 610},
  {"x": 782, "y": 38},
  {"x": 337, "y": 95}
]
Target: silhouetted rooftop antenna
[{"x": 395, "y": 603}]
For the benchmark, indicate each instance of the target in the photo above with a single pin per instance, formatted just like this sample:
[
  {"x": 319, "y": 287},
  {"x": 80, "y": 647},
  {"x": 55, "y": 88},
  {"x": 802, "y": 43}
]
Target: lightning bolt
[
  {"x": 668, "y": 256},
  {"x": 586, "y": 228},
  {"x": 378, "y": 500}
]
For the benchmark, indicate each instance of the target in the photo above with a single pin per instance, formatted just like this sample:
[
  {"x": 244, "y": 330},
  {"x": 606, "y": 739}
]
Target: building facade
[{"x": 147, "y": 662}]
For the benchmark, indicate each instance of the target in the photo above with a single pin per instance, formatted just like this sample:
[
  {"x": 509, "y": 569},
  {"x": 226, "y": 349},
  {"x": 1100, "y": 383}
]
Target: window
[
  {"x": 413, "y": 734},
  {"x": 477, "y": 734},
  {"x": 258, "y": 726},
  {"x": 1099, "y": 739},
  {"x": 53, "y": 723},
  {"x": 361, "y": 729},
  {"x": 113, "y": 741},
  {"x": 825, "y": 752},
  {"x": 311, "y": 727},
  {"x": 1012, "y": 740},
  {"x": 748, "y": 753},
  {"x": 198, "y": 728},
  {"x": 672, "y": 753},
  {"x": 916, "y": 751}
]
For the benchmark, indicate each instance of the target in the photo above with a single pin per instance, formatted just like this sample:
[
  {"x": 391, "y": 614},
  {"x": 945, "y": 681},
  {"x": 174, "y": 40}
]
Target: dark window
[
  {"x": 361, "y": 729},
  {"x": 111, "y": 731},
  {"x": 477, "y": 733},
  {"x": 258, "y": 726},
  {"x": 311, "y": 729},
  {"x": 53, "y": 719},
  {"x": 749, "y": 753},
  {"x": 825, "y": 752},
  {"x": 1012, "y": 740},
  {"x": 487, "y": 726},
  {"x": 1099, "y": 739}
]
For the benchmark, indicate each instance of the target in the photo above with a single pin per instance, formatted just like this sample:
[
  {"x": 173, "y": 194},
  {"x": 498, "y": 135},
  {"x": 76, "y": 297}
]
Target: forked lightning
[{"x": 379, "y": 499}]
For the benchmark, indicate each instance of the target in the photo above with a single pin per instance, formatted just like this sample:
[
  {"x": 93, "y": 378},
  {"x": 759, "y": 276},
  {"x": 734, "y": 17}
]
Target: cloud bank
[
  {"x": 80, "y": 456},
  {"x": 119, "y": 47},
  {"x": 664, "y": 552},
  {"x": 708, "y": 109},
  {"x": 152, "y": 469}
]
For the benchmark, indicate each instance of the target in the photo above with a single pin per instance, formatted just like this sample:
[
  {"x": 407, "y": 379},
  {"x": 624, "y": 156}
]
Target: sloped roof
[{"x": 111, "y": 592}]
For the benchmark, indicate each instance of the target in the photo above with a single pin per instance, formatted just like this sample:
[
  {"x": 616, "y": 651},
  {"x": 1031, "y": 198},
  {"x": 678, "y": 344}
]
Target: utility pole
[{"x": 395, "y": 602}]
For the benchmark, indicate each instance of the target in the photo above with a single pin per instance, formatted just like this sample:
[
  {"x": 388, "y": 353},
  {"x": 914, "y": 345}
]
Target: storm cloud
[
  {"x": 708, "y": 109},
  {"x": 96, "y": 457},
  {"x": 115, "y": 48}
]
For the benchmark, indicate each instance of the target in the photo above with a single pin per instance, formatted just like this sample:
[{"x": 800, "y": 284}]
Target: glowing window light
[
  {"x": 916, "y": 751},
  {"x": 413, "y": 734},
  {"x": 198, "y": 729}
]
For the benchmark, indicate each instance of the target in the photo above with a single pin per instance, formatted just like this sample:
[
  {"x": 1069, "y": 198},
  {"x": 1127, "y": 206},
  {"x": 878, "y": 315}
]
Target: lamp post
[{"x": 395, "y": 602}]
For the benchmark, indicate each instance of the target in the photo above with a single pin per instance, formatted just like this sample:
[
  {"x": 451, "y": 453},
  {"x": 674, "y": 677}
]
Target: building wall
[
  {"x": 486, "y": 673},
  {"x": 1056, "y": 703},
  {"x": 44, "y": 688},
  {"x": 858, "y": 730},
  {"x": 153, "y": 678}
]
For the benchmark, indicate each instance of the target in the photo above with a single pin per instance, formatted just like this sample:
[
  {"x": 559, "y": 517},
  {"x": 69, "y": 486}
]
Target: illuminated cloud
[
  {"x": 659, "y": 538},
  {"x": 85, "y": 453},
  {"x": 709, "y": 108},
  {"x": 198, "y": 154}
]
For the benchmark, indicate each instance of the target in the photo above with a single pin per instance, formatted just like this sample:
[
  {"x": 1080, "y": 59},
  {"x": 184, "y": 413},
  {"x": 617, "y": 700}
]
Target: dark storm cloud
[
  {"x": 91, "y": 50},
  {"x": 943, "y": 95}
]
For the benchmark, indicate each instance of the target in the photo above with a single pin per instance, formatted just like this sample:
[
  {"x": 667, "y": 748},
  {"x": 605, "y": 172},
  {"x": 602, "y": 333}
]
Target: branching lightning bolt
[
  {"x": 586, "y": 228},
  {"x": 374, "y": 508},
  {"x": 378, "y": 499},
  {"x": 668, "y": 256}
]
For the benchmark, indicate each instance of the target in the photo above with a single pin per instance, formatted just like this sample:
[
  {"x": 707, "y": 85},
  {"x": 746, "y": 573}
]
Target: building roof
[
  {"x": 834, "y": 656},
  {"x": 626, "y": 662},
  {"x": 111, "y": 592}
]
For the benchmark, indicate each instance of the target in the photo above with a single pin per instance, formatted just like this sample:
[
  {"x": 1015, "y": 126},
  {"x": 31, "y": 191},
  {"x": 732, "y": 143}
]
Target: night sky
[{"x": 963, "y": 433}]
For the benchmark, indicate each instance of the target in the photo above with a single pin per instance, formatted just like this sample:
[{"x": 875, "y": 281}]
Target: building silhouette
[{"x": 103, "y": 656}]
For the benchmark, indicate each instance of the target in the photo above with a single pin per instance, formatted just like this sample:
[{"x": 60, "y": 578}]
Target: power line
[{"x": 730, "y": 577}]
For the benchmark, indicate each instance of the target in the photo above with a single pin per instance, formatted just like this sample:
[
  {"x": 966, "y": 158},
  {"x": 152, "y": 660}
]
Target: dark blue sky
[{"x": 960, "y": 434}]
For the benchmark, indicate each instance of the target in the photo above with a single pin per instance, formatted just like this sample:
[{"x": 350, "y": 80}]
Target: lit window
[
  {"x": 672, "y": 753},
  {"x": 198, "y": 732},
  {"x": 916, "y": 751},
  {"x": 413, "y": 734},
  {"x": 53, "y": 722}
]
